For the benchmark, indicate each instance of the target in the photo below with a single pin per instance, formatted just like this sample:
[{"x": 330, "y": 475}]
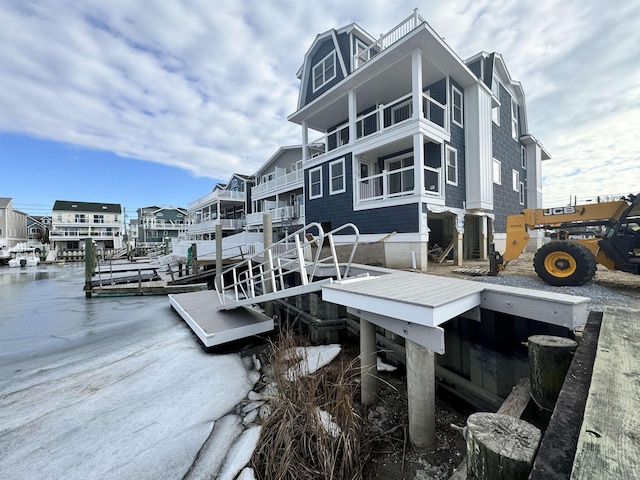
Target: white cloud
[{"x": 207, "y": 87}]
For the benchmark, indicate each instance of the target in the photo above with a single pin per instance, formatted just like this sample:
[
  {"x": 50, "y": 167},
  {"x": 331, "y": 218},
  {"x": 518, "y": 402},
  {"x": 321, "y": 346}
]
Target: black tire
[{"x": 564, "y": 264}]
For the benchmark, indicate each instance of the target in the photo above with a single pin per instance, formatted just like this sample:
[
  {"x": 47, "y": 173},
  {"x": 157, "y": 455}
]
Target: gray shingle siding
[
  {"x": 506, "y": 200},
  {"x": 338, "y": 210},
  {"x": 476, "y": 67},
  {"x": 343, "y": 45},
  {"x": 322, "y": 50}
]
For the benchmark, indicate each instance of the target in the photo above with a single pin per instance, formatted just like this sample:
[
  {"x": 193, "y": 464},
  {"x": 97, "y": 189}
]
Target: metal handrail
[{"x": 265, "y": 271}]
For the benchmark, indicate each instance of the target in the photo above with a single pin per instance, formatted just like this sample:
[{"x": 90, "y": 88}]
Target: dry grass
[{"x": 295, "y": 443}]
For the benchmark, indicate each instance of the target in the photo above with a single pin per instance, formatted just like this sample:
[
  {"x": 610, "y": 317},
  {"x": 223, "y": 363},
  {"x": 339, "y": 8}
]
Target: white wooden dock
[{"x": 412, "y": 305}]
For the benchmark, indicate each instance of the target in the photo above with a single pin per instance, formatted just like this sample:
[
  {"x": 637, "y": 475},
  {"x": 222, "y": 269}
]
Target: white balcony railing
[
  {"x": 388, "y": 39},
  {"x": 397, "y": 183},
  {"x": 213, "y": 197},
  {"x": 288, "y": 212},
  {"x": 293, "y": 179},
  {"x": 209, "y": 226}
]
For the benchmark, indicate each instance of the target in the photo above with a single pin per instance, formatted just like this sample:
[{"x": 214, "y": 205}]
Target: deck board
[
  {"x": 609, "y": 441},
  {"x": 214, "y": 327}
]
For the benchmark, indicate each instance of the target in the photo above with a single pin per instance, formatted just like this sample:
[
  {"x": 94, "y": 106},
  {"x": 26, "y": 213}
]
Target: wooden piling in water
[{"x": 89, "y": 265}]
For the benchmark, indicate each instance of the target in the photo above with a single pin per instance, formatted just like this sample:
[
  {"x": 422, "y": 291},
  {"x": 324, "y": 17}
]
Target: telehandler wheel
[{"x": 564, "y": 263}]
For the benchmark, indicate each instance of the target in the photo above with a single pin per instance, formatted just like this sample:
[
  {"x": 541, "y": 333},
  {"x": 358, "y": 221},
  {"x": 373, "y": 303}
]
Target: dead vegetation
[{"x": 313, "y": 429}]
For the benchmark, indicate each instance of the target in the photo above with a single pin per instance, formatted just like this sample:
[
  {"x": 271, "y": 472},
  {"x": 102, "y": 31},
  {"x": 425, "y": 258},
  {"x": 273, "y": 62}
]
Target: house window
[
  {"x": 497, "y": 172},
  {"x": 359, "y": 48},
  {"x": 59, "y": 217},
  {"x": 514, "y": 119},
  {"x": 521, "y": 191},
  {"x": 324, "y": 71},
  {"x": 523, "y": 157},
  {"x": 400, "y": 175},
  {"x": 98, "y": 219},
  {"x": 79, "y": 218},
  {"x": 336, "y": 177},
  {"x": 452, "y": 166},
  {"x": 457, "y": 106},
  {"x": 516, "y": 180},
  {"x": 495, "y": 111},
  {"x": 315, "y": 183}
]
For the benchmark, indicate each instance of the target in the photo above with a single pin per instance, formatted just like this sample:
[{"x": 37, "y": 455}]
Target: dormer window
[
  {"x": 324, "y": 71},
  {"x": 359, "y": 49}
]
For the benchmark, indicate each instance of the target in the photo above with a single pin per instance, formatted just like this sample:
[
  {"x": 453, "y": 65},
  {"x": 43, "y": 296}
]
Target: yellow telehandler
[{"x": 607, "y": 233}]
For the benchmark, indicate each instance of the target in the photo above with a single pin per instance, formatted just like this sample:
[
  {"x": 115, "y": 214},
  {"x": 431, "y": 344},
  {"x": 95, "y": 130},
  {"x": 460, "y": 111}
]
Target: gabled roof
[
  {"x": 303, "y": 72},
  {"x": 281, "y": 151},
  {"x": 5, "y": 201},
  {"x": 152, "y": 210},
  {"x": 69, "y": 206}
]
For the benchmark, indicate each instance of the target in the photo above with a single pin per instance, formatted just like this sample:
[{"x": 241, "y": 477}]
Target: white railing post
[
  {"x": 385, "y": 190},
  {"x": 301, "y": 262}
]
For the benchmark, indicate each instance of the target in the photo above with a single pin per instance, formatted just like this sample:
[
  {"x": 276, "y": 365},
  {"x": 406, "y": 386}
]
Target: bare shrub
[{"x": 298, "y": 440}]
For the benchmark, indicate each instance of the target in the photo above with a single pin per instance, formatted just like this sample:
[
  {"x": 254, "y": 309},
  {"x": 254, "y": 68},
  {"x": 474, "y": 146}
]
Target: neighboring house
[
  {"x": 73, "y": 222},
  {"x": 38, "y": 229},
  {"x": 227, "y": 205},
  {"x": 279, "y": 191},
  {"x": 13, "y": 224},
  {"x": 132, "y": 231},
  {"x": 155, "y": 224},
  {"x": 417, "y": 142}
]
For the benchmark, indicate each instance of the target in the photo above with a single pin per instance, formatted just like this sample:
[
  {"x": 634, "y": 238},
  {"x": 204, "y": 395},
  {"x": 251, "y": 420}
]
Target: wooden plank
[
  {"x": 608, "y": 445},
  {"x": 517, "y": 401},
  {"x": 445, "y": 253},
  {"x": 555, "y": 456}
]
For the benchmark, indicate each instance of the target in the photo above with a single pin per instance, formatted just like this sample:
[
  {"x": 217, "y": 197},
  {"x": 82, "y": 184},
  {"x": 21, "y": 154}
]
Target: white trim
[
  {"x": 311, "y": 183},
  {"x": 321, "y": 64},
  {"x": 454, "y": 90},
  {"x": 516, "y": 180},
  {"x": 495, "y": 89},
  {"x": 449, "y": 149},
  {"x": 497, "y": 163},
  {"x": 344, "y": 179},
  {"x": 521, "y": 193},
  {"x": 523, "y": 156},
  {"x": 514, "y": 119}
]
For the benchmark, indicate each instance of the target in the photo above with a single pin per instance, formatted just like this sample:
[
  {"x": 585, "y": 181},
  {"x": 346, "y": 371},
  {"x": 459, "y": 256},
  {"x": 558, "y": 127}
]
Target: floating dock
[{"x": 213, "y": 326}]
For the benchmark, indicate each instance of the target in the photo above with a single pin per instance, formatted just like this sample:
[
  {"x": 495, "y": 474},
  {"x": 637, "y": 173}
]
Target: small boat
[{"x": 25, "y": 259}]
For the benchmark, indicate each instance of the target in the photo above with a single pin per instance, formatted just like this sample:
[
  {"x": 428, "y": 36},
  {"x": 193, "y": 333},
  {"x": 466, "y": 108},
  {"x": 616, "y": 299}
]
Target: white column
[
  {"x": 305, "y": 142},
  {"x": 416, "y": 83},
  {"x": 353, "y": 114}
]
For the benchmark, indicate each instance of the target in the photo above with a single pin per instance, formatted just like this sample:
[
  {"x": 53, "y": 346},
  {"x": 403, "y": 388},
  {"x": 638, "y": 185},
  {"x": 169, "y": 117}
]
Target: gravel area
[{"x": 608, "y": 288}]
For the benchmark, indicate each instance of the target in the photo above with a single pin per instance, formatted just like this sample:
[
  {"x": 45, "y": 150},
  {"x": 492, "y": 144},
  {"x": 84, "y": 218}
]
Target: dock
[
  {"x": 609, "y": 440},
  {"x": 214, "y": 327},
  {"x": 142, "y": 277}
]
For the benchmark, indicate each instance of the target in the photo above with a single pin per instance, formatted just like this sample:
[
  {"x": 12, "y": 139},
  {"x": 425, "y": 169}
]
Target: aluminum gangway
[{"x": 287, "y": 268}]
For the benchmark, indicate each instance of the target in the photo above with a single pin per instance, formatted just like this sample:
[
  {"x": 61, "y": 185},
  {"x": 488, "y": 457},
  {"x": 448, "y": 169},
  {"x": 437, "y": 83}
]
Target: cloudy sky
[{"x": 151, "y": 102}]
